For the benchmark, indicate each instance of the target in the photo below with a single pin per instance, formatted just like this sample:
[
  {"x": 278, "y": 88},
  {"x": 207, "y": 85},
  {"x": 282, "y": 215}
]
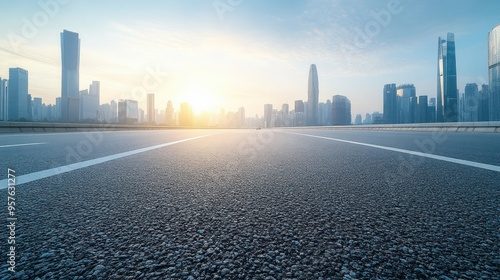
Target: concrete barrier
[
  {"x": 459, "y": 127},
  {"x": 12, "y": 127}
]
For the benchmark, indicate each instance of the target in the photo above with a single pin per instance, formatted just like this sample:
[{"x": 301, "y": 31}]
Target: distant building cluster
[
  {"x": 311, "y": 112},
  {"x": 84, "y": 105},
  {"x": 474, "y": 104},
  {"x": 400, "y": 102}
]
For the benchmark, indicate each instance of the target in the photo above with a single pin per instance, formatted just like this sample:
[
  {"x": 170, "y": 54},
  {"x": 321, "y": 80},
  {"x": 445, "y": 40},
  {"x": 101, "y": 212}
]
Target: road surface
[{"x": 252, "y": 204}]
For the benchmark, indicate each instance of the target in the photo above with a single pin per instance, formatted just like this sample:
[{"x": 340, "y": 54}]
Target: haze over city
[{"x": 229, "y": 54}]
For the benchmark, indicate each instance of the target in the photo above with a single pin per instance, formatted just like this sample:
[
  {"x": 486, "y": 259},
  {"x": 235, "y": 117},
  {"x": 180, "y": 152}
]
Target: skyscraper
[
  {"x": 483, "y": 110},
  {"x": 432, "y": 109},
  {"x": 89, "y": 102},
  {"x": 470, "y": 103},
  {"x": 268, "y": 115},
  {"x": 341, "y": 110},
  {"x": 313, "y": 96},
  {"x": 114, "y": 111},
  {"x": 128, "y": 111},
  {"x": 70, "y": 58},
  {"x": 18, "y": 99},
  {"x": 423, "y": 110},
  {"x": 299, "y": 106},
  {"x": 406, "y": 103},
  {"x": 170, "y": 114},
  {"x": 150, "y": 111},
  {"x": 447, "y": 96},
  {"x": 390, "y": 103},
  {"x": 37, "y": 109},
  {"x": 494, "y": 72},
  {"x": 3, "y": 99},
  {"x": 241, "y": 117},
  {"x": 299, "y": 116}
]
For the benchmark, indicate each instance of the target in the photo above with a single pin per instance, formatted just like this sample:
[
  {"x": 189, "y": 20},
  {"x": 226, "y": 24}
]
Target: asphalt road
[{"x": 253, "y": 204}]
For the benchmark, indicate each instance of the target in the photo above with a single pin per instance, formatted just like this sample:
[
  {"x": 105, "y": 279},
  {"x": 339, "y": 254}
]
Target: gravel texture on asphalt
[{"x": 299, "y": 209}]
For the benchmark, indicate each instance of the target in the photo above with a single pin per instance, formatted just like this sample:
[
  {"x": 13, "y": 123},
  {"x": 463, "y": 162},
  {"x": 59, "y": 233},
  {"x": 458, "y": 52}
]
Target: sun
[{"x": 200, "y": 97}]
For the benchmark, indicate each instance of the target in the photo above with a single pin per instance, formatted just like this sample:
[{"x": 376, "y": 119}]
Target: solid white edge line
[
  {"x": 23, "y": 179},
  {"x": 442, "y": 158},
  {"x": 17, "y": 145}
]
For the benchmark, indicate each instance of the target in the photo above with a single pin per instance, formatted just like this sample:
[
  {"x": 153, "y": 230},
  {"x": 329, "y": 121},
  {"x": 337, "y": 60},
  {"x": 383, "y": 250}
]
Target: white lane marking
[
  {"x": 17, "y": 145},
  {"x": 25, "y": 134},
  {"x": 22, "y": 179},
  {"x": 443, "y": 158}
]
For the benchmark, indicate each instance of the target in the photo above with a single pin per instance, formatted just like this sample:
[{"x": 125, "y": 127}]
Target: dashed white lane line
[
  {"x": 22, "y": 179},
  {"x": 442, "y": 158},
  {"x": 18, "y": 145}
]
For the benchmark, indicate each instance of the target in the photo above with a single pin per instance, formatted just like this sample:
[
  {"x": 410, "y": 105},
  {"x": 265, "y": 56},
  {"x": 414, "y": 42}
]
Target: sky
[{"x": 231, "y": 53}]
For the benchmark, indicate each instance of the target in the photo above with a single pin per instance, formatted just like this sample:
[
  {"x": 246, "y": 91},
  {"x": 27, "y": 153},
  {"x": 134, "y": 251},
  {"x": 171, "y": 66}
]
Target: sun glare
[{"x": 200, "y": 97}]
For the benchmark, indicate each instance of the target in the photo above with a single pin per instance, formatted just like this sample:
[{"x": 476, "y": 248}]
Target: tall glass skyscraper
[
  {"x": 447, "y": 90},
  {"x": 494, "y": 72},
  {"x": 313, "y": 96},
  {"x": 390, "y": 103},
  {"x": 18, "y": 99},
  {"x": 70, "y": 58}
]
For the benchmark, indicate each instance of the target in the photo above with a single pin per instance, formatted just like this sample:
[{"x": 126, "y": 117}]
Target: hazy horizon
[{"x": 246, "y": 53}]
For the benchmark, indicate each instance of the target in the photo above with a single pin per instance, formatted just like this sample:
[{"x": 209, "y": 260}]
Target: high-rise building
[
  {"x": 128, "y": 111},
  {"x": 321, "y": 113},
  {"x": 432, "y": 109},
  {"x": 368, "y": 119},
  {"x": 390, "y": 103},
  {"x": 341, "y": 110},
  {"x": 57, "y": 112},
  {"x": 88, "y": 112},
  {"x": 150, "y": 110},
  {"x": 483, "y": 110},
  {"x": 114, "y": 111},
  {"x": 470, "y": 103},
  {"x": 313, "y": 96},
  {"x": 299, "y": 106},
  {"x": 299, "y": 118},
  {"x": 241, "y": 117},
  {"x": 4, "y": 101},
  {"x": 406, "y": 95},
  {"x": 447, "y": 91},
  {"x": 104, "y": 115},
  {"x": 268, "y": 115},
  {"x": 170, "y": 114},
  {"x": 19, "y": 103},
  {"x": 70, "y": 58},
  {"x": 95, "y": 90},
  {"x": 37, "y": 109},
  {"x": 328, "y": 112},
  {"x": 89, "y": 102},
  {"x": 494, "y": 72},
  {"x": 358, "y": 120},
  {"x": 423, "y": 110}
]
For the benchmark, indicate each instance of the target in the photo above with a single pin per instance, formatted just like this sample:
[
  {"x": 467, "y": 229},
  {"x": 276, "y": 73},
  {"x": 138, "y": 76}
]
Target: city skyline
[{"x": 228, "y": 69}]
